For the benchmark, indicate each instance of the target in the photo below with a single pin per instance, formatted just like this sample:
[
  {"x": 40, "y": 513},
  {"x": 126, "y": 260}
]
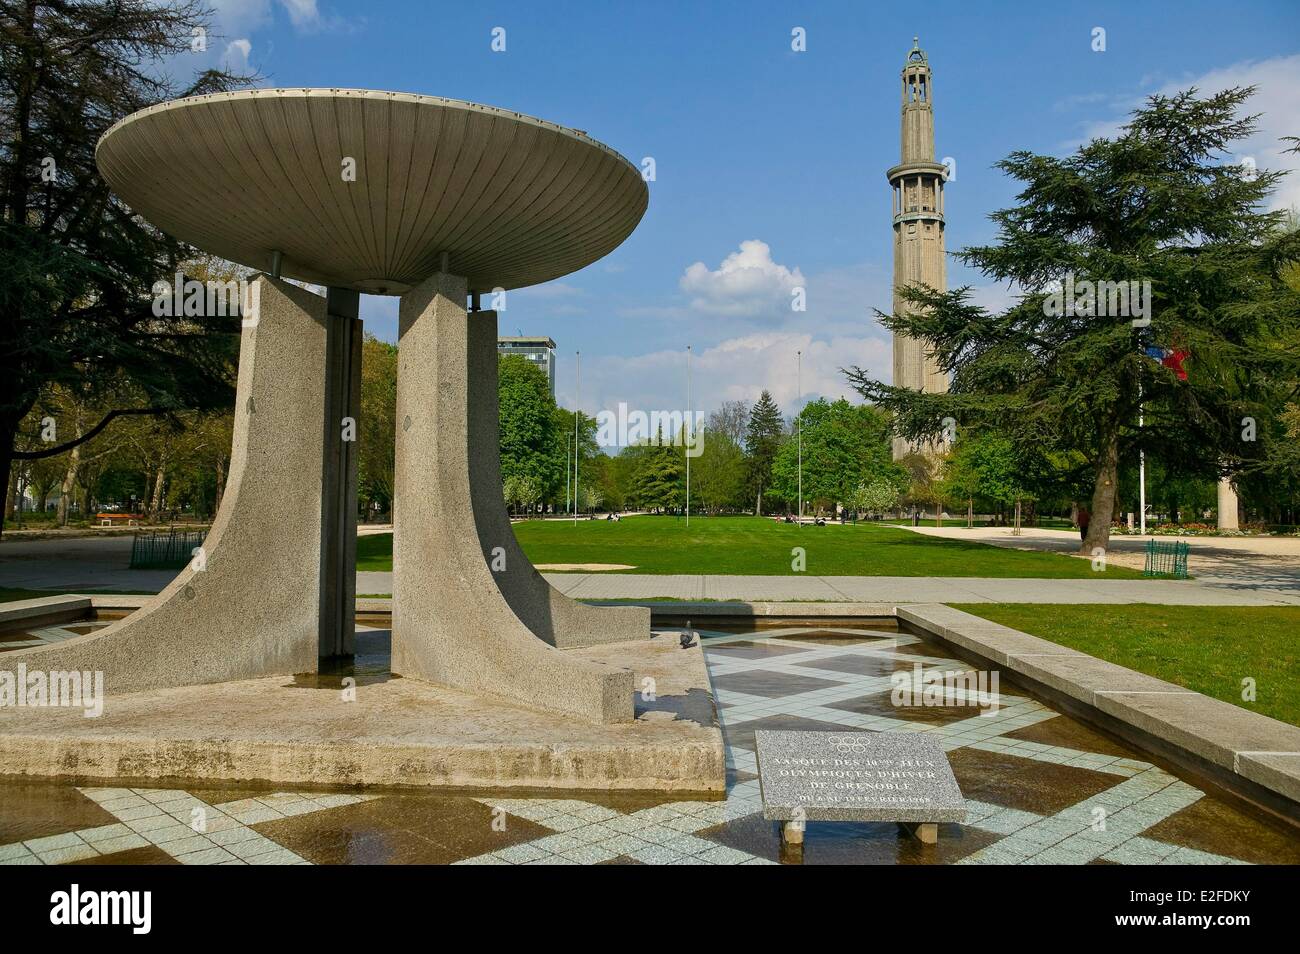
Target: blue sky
[{"x": 754, "y": 143}]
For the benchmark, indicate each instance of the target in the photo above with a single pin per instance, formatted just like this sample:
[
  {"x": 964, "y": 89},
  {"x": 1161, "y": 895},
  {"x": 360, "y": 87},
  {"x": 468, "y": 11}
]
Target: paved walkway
[
  {"x": 1255, "y": 562},
  {"x": 1231, "y": 572},
  {"x": 906, "y": 589}
]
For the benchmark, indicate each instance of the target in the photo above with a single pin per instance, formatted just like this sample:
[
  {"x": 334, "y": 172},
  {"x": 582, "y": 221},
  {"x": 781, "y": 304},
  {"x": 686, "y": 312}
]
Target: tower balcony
[
  {"x": 910, "y": 170},
  {"x": 919, "y": 215}
]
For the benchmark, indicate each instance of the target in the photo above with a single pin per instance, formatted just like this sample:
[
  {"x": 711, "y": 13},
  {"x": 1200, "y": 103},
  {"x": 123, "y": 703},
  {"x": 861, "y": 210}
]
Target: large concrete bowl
[{"x": 513, "y": 200}]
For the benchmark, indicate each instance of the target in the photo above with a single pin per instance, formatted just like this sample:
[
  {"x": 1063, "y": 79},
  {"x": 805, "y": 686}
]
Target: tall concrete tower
[{"x": 918, "y": 186}]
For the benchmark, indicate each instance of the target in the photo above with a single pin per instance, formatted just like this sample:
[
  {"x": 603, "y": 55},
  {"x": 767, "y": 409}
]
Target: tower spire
[{"x": 918, "y": 202}]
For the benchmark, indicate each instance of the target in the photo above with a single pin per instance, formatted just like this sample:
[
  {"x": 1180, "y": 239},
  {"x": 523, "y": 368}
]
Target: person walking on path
[{"x": 1084, "y": 519}]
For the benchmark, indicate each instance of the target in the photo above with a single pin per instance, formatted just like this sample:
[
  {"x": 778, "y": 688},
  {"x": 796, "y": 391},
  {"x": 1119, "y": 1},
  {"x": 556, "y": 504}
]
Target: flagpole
[
  {"x": 798, "y": 426},
  {"x": 688, "y": 446},
  {"x": 577, "y": 369},
  {"x": 1142, "y": 454},
  {"x": 1142, "y": 468}
]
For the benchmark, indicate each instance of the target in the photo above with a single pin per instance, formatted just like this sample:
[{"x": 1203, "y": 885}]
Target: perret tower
[{"x": 918, "y": 187}]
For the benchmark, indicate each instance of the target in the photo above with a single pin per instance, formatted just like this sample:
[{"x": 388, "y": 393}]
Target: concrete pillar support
[
  {"x": 250, "y": 603},
  {"x": 1228, "y": 505},
  {"x": 338, "y": 565},
  {"x": 452, "y": 622},
  {"x": 548, "y": 613}
]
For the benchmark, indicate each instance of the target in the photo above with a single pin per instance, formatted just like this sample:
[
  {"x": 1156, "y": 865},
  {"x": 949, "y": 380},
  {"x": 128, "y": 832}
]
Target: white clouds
[
  {"x": 235, "y": 58},
  {"x": 1275, "y": 100},
  {"x": 749, "y": 340},
  {"x": 748, "y": 283},
  {"x": 245, "y": 17},
  {"x": 995, "y": 298},
  {"x": 734, "y": 369},
  {"x": 241, "y": 16},
  {"x": 302, "y": 13}
]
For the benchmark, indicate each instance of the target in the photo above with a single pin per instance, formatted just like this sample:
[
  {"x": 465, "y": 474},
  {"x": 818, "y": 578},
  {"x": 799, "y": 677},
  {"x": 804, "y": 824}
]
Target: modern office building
[{"x": 541, "y": 351}]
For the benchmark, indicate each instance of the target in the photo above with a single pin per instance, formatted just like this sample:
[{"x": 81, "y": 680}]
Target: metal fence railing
[
  {"x": 1166, "y": 559},
  {"x": 165, "y": 549}
]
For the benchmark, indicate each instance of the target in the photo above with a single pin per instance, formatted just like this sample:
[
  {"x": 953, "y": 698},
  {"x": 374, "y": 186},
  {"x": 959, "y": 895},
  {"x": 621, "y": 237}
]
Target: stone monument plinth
[{"x": 900, "y": 777}]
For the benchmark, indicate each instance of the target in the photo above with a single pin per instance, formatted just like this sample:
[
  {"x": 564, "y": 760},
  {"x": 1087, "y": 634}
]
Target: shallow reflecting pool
[{"x": 1041, "y": 788}]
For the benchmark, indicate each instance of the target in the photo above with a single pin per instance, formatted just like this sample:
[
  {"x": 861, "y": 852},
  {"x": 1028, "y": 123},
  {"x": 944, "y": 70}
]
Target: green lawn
[
  {"x": 754, "y": 546},
  {"x": 1209, "y": 649}
]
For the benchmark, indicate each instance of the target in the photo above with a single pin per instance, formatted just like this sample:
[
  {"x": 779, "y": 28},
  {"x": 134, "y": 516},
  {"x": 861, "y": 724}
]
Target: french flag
[{"x": 1171, "y": 358}]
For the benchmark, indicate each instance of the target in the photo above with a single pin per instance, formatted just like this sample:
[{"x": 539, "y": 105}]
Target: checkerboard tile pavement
[
  {"x": 1107, "y": 826},
  {"x": 810, "y": 679},
  {"x": 190, "y": 830}
]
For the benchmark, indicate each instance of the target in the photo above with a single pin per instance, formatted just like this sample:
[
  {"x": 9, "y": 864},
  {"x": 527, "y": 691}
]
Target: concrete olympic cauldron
[{"x": 446, "y": 200}]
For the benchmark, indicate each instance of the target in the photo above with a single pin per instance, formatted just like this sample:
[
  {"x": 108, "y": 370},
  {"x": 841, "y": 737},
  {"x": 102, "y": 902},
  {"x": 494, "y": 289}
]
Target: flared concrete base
[
  {"x": 550, "y": 615},
  {"x": 469, "y": 610},
  {"x": 270, "y": 589},
  {"x": 398, "y": 732}
]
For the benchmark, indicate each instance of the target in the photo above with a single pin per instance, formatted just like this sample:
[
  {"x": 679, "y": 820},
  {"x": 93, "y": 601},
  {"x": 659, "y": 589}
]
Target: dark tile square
[
  {"x": 751, "y": 649},
  {"x": 1070, "y": 734},
  {"x": 1211, "y": 825},
  {"x": 37, "y": 809},
  {"x": 827, "y": 637},
  {"x": 1026, "y": 784},
  {"x": 925, "y": 649},
  {"x": 882, "y": 704},
  {"x": 399, "y": 829},
  {"x": 860, "y": 665},
  {"x": 759, "y": 682}
]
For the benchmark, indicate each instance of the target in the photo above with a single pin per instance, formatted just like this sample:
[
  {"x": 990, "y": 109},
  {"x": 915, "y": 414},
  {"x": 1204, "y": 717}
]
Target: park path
[
  {"x": 1266, "y": 563},
  {"x": 906, "y": 589},
  {"x": 1245, "y": 578}
]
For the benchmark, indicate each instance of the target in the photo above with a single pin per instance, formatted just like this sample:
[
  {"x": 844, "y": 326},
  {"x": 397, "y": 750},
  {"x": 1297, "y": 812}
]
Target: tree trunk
[
  {"x": 758, "y": 507},
  {"x": 156, "y": 500},
  {"x": 11, "y": 495},
  {"x": 970, "y": 512},
  {"x": 69, "y": 484},
  {"x": 1103, "y": 497}
]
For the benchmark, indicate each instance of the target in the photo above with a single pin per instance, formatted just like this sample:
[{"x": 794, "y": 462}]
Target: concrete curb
[
  {"x": 43, "y": 611},
  {"x": 1248, "y": 753}
]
